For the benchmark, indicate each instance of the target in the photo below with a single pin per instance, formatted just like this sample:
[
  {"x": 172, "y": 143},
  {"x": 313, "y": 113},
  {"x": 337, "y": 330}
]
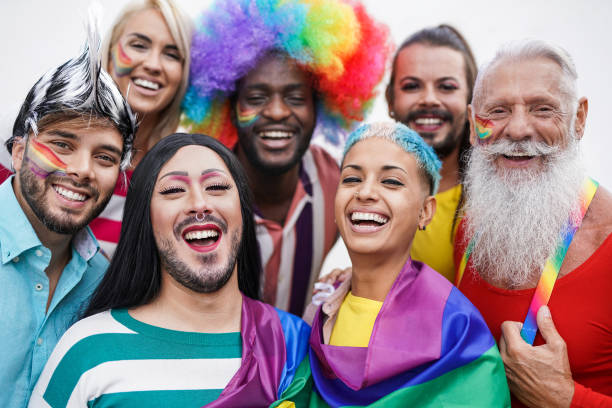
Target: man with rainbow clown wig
[
  {"x": 179, "y": 325},
  {"x": 265, "y": 76},
  {"x": 72, "y": 138},
  {"x": 396, "y": 333},
  {"x": 535, "y": 247}
]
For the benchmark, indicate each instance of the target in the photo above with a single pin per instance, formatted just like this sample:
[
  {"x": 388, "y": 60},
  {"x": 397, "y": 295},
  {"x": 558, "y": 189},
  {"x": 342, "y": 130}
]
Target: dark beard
[
  {"x": 34, "y": 196},
  {"x": 204, "y": 279}
]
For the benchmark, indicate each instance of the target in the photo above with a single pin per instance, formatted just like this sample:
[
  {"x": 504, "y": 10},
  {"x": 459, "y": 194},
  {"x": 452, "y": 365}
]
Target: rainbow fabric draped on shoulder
[{"x": 336, "y": 41}]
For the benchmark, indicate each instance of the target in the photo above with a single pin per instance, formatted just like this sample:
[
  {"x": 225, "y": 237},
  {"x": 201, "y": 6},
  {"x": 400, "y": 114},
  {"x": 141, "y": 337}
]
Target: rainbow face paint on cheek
[
  {"x": 483, "y": 127},
  {"x": 122, "y": 63},
  {"x": 246, "y": 117},
  {"x": 43, "y": 161}
]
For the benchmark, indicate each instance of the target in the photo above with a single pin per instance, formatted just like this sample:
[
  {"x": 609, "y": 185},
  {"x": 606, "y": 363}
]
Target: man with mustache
[
  {"x": 175, "y": 321},
  {"x": 71, "y": 139},
  {"x": 536, "y": 227},
  {"x": 431, "y": 84}
]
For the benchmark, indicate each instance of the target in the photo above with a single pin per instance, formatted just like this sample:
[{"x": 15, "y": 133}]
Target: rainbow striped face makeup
[
  {"x": 483, "y": 127},
  {"x": 246, "y": 117},
  {"x": 122, "y": 63},
  {"x": 44, "y": 161}
]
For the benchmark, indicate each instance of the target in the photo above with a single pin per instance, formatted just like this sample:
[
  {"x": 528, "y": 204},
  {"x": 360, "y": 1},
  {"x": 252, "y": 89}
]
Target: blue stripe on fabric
[
  {"x": 297, "y": 335},
  {"x": 465, "y": 337}
]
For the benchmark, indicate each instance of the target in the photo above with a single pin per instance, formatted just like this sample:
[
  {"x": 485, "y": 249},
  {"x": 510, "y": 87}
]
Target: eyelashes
[{"x": 177, "y": 189}]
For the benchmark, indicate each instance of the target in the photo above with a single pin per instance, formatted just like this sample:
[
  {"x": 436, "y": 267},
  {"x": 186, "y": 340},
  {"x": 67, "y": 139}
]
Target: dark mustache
[
  {"x": 441, "y": 113},
  {"x": 192, "y": 220}
]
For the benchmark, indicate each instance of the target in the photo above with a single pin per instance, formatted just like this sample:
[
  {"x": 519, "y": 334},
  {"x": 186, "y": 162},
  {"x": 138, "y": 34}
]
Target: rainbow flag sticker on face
[
  {"x": 246, "y": 117},
  {"x": 122, "y": 63},
  {"x": 44, "y": 161},
  {"x": 484, "y": 127}
]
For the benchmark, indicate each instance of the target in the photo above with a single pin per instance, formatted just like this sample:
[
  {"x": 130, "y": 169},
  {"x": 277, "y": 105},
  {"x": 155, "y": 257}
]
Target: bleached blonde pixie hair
[{"x": 181, "y": 28}]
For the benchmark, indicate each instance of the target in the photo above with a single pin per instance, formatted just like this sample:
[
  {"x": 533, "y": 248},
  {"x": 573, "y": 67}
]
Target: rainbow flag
[{"x": 429, "y": 347}]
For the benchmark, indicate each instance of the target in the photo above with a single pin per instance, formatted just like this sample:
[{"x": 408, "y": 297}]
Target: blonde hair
[{"x": 180, "y": 27}]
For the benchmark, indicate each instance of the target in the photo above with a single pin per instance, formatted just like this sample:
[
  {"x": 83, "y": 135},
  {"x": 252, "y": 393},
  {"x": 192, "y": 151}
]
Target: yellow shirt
[
  {"x": 355, "y": 321},
  {"x": 434, "y": 246}
]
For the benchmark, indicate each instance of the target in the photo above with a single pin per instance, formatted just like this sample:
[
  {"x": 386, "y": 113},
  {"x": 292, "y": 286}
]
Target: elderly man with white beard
[{"x": 535, "y": 249}]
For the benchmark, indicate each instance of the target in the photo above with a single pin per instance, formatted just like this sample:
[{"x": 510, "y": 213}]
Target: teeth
[
  {"x": 362, "y": 216},
  {"x": 428, "y": 121},
  {"x": 71, "y": 195},
  {"x": 201, "y": 234},
  {"x": 275, "y": 134},
  {"x": 146, "y": 84}
]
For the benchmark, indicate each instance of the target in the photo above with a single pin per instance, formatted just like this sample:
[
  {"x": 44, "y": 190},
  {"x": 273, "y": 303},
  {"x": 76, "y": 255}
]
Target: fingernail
[{"x": 545, "y": 312}]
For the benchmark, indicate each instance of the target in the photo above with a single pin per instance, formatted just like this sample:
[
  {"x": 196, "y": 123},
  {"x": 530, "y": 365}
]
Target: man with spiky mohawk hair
[
  {"x": 265, "y": 76},
  {"x": 72, "y": 137}
]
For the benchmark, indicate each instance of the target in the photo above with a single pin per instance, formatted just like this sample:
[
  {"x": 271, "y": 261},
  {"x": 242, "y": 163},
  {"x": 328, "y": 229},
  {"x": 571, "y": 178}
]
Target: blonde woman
[{"x": 147, "y": 54}]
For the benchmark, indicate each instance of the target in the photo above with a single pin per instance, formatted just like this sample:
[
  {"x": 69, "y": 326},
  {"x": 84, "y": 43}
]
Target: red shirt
[{"x": 581, "y": 308}]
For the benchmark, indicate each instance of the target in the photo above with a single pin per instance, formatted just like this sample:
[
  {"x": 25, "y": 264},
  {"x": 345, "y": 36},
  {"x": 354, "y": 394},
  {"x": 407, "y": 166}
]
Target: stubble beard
[
  {"x": 205, "y": 278},
  {"x": 517, "y": 215}
]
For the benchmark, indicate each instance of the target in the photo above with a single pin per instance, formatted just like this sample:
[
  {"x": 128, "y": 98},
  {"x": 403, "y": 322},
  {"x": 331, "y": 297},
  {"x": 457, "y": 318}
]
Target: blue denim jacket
[{"x": 29, "y": 332}]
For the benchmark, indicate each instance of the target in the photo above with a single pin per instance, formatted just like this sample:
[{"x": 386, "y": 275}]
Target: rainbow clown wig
[{"x": 336, "y": 41}]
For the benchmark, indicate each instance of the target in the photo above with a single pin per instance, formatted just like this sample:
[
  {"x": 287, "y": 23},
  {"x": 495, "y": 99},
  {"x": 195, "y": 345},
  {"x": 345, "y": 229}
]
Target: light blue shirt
[{"x": 29, "y": 332}]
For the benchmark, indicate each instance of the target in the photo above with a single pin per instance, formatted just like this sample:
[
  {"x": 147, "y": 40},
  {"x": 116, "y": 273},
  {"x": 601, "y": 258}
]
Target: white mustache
[{"x": 517, "y": 148}]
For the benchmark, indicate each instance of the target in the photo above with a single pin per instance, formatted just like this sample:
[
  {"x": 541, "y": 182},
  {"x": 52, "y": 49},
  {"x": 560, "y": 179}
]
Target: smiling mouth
[
  {"x": 202, "y": 238},
  {"x": 517, "y": 157},
  {"x": 70, "y": 195},
  {"x": 429, "y": 121},
  {"x": 275, "y": 134},
  {"x": 366, "y": 219},
  {"x": 154, "y": 86}
]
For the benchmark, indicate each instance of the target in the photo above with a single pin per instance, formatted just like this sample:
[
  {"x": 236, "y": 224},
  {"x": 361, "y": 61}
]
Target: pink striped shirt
[{"x": 292, "y": 254}]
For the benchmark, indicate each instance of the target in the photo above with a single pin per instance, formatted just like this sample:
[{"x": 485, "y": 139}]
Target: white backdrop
[{"x": 37, "y": 35}]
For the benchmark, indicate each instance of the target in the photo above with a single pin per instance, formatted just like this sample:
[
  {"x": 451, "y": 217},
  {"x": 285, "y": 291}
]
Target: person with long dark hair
[{"x": 175, "y": 321}]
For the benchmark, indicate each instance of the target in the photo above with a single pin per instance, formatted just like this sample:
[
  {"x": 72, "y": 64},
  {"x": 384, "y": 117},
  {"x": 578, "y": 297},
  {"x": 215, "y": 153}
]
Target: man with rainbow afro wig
[{"x": 264, "y": 77}]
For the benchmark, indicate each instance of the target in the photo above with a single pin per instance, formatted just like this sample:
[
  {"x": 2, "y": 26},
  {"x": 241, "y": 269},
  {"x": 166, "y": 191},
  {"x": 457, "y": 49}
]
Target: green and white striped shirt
[{"x": 112, "y": 359}]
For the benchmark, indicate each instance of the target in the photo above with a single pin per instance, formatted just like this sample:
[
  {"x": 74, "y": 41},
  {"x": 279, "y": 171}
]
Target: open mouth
[
  {"x": 367, "y": 221},
  {"x": 144, "y": 83},
  {"x": 428, "y": 123},
  {"x": 518, "y": 157},
  {"x": 275, "y": 134},
  {"x": 202, "y": 238},
  {"x": 69, "y": 194}
]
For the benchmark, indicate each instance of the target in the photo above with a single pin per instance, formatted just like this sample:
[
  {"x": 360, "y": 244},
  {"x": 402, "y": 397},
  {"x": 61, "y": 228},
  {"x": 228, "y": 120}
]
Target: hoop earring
[{"x": 198, "y": 218}]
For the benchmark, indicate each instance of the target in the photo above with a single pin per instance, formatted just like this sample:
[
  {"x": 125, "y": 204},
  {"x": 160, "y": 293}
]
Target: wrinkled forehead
[{"x": 521, "y": 81}]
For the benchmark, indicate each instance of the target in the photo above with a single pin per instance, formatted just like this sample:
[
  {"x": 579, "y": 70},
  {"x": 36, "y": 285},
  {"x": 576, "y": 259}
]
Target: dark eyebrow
[
  {"x": 65, "y": 134},
  {"x": 112, "y": 149},
  {"x": 390, "y": 167},
  {"x": 212, "y": 170},
  {"x": 141, "y": 37},
  {"x": 351, "y": 166},
  {"x": 175, "y": 173}
]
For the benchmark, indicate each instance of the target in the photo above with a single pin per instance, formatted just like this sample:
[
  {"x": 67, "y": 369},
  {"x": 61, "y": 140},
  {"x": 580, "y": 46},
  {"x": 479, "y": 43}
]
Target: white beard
[{"x": 517, "y": 215}]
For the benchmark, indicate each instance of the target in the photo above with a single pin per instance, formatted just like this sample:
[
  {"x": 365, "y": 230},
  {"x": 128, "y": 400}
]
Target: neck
[
  {"x": 179, "y": 308},
  {"x": 273, "y": 193},
  {"x": 373, "y": 276},
  {"x": 449, "y": 172}
]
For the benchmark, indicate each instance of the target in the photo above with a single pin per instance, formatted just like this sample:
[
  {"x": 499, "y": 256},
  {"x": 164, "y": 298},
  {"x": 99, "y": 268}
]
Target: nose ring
[{"x": 199, "y": 217}]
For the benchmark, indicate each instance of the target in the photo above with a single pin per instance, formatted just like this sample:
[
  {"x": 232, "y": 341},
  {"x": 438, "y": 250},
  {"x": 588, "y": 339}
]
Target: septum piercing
[{"x": 199, "y": 217}]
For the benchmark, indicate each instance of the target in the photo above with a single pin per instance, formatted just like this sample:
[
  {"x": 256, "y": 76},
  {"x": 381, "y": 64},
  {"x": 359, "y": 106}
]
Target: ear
[
  {"x": 581, "y": 115},
  {"x": 389, "y": 99},
  {"x": 427, "y": 211},
  {"x": 19, "y": 146},
  {"x": 471, "y": 120}
]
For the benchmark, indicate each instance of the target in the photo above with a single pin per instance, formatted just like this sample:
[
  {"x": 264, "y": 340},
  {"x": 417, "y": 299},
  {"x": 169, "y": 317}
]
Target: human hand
[
  {"x": 538, "y": 376},
  {"x": 336, "y": 276}
]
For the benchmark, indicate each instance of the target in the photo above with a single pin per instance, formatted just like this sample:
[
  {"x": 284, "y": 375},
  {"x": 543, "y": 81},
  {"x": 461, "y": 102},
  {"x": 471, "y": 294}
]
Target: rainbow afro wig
[{"x": 336, "y": 41}]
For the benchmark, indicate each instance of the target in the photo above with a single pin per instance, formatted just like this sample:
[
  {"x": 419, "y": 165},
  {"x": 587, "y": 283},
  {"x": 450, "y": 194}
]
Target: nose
[
  {"x": 152, "y": 62},
  {"x": 198, "y": 204},
  {"x": 429, "y": 97},
  {"x": 367, "y": 191},
  {"x": 80, "y": 166},
  {"x": 276, "y": 109},
  {"x": 519, "y": 125}
]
